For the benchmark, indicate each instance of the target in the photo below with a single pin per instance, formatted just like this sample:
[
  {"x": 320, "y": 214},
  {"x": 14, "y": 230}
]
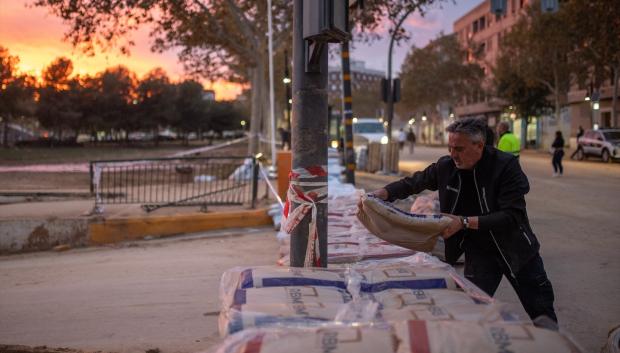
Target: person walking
[
  {"x": 402, "y": 137},
  {"x": 558, "y": 154},
  {"x": 507, "y": 142},
  {"x": 483, "y": 191},
  {"x": 579, "y": 135},
  {"x": 411, "y": 140}
]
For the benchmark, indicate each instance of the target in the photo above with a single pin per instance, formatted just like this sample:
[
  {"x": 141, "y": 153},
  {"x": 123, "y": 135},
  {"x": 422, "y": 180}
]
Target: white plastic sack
[
  {"x": 325, "y": 339},
  {"x": 412, "y": 231},
  {"x": 468, "y": 337}
]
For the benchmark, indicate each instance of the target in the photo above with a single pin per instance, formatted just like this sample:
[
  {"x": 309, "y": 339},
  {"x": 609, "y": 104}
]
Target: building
[
  {"x": 481, "y": 29},
  {"x": 363, "y": 81}
]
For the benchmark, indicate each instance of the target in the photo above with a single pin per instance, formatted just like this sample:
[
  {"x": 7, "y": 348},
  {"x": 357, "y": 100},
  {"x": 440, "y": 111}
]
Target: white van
[{"x": 367, "y": 130}]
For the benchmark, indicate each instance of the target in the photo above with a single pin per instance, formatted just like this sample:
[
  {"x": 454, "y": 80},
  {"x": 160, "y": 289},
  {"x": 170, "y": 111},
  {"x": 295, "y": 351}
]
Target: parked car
[
  {"x": 603, "y": 143},
  {"x": 368, "y": 130}
]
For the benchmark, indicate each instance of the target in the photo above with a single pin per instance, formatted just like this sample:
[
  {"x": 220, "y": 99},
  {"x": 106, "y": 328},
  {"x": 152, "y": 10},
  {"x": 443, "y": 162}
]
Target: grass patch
[{"x": 53, "y": 155}]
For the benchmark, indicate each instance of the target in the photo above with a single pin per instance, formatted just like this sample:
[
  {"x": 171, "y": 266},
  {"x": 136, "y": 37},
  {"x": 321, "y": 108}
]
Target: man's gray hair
[{"x": 476, "y": 129}]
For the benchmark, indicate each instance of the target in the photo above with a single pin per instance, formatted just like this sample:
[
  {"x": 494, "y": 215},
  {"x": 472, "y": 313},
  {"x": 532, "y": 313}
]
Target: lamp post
[
  {"x": 287, "y": 89},
  {"x": 389, "y": 89}
]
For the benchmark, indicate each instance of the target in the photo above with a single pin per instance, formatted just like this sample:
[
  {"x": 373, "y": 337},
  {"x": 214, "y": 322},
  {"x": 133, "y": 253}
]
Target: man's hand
[
  {"x": 381, "y": 193},
  {"x": 453, "y": 227}
]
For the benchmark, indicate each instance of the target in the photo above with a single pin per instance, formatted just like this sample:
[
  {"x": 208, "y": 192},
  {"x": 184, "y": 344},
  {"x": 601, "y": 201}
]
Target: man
[
  {"x": 579, "y": 134},
  {"x": 508, "y": 142},
  {"x": 483, "y": 191}
]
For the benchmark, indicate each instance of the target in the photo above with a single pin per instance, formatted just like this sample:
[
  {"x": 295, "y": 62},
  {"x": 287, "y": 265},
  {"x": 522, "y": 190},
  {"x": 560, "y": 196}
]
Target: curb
[
  {"x": 122, "y": 229},
  {"x": 28, "y": 235}
]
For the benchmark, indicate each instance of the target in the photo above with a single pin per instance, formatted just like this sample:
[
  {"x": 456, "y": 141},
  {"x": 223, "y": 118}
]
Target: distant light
[
  {"x": 384, "y": 140},
  {"x": 380, "y": 120},
  {"x": 334, "y": 144},
  {"x": 242, "y": 122},
  {"x": 451, "y": 115},
  {"x": 595, "y": 105},
  {"x": 135, "y": 101},
  {"x": 411, "y": 121},
  {"x": 595, "y": 127},
  {"x": 424, "y": 118},
  {"x": 513, "y": 116},
  {"x": 510, "y": 107},
  {"x": 290, "y": 101},
  {"x": 355, "y": 120},
  {"x": 286, "y": 80},
  {"x": 587, "y": 99},
  {"x": 385, "y": 123},
  {"x": 259, "y": 155}
]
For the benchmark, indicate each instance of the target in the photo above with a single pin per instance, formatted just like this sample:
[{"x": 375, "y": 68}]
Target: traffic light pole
[
  {"x": 309, "y": 144},
  {"x": 347, "y": 110}
]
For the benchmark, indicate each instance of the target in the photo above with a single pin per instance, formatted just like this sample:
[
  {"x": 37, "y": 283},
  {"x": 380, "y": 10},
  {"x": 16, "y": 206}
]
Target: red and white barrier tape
[{"x": 307, "y": 194}]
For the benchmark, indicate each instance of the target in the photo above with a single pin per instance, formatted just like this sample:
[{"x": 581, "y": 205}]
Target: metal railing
[{"x": 162, "y": 182}]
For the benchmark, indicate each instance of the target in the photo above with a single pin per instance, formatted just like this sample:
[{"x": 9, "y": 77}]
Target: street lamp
[{"x": 287, "y": 88}]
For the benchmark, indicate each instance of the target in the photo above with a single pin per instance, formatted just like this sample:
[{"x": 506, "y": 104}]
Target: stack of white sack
[
  {"x": 416, "y": 287},
  {"x": 348, "y": 240},
  {"x": 413, "y": 336}
]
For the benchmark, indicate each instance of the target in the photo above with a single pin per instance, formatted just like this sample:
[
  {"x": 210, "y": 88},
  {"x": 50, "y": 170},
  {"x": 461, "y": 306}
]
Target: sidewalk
[{"x": 36, "y": 226}]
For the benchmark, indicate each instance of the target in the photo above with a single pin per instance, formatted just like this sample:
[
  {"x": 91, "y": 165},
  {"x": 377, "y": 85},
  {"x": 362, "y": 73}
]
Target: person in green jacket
[{"x": 508, "y": 142}]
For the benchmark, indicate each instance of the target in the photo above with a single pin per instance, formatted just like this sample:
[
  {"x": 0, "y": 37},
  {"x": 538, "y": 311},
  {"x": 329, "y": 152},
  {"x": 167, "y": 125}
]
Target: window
[
  {"x": 475, "y": 26},
  {"x": 482, "y": 22},
  {"x": 514, "y": 6}
]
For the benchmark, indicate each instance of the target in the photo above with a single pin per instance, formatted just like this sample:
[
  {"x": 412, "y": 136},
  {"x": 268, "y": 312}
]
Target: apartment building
[{"x": 481, "y": 29}]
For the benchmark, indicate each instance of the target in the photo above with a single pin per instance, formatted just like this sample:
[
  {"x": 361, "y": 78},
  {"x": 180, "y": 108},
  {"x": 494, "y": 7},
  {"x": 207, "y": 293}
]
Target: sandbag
[
  {"x": 288, "y": 295},
  {"x": 412, "y": 231},
  {"x": 332, "y": 339},
  {"x": 468, "y": 337}
]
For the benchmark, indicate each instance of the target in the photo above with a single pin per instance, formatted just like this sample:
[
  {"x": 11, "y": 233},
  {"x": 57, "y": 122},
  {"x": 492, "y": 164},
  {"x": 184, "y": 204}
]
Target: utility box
[{"x": 326, "y": 20}]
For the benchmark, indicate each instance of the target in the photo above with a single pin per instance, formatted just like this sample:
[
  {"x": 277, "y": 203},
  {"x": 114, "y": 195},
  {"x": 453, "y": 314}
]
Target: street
[
  {"x": 575, "y": 218},
  {"x": 164, "y": 293}
]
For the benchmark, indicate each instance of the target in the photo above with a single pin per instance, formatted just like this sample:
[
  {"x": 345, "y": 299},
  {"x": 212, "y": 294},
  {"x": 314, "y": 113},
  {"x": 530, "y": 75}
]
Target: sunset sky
[{"x": 37, "y": 38}]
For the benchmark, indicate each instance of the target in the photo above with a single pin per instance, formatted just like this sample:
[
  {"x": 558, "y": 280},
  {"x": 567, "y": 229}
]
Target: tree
[
  {"x": 115, "y": 94},
  {"x": 56, "y": 109},
  {"x": 16, "y": 91},
  {"x": 219, "y": 39},
  {"x": 155, "y": 103},
  {"x": 595, "y": 28},
  {"x": 191, "y": 108},
  {"x": 438, "y": 74},
  {"x": 537, "y": 51}
]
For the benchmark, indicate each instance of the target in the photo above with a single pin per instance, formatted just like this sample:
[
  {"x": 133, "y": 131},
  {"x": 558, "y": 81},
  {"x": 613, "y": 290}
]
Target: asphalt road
[{"x": 576, "y": 218}]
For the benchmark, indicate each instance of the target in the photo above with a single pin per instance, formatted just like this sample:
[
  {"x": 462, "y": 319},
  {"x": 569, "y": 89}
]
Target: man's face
[
  {"x": 463, "y": 151},
  {"x": 501, "y": 128}
]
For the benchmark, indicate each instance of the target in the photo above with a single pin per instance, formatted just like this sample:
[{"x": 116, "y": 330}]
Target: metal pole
[
  {"x": 309, "y": 142},
  {"x": 390, "y": 90},
  {"x": 271, "y": 97},
  {"x": 288, "y": 91},
  {"x": 347, "y": 113}
]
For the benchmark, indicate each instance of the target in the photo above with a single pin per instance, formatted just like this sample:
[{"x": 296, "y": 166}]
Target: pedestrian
[
  {"x": 490, "y": 137},
  {"x": 483, "y": 191},
  {"x": 402, "y": 137},
  {"x": 285, "y": 136},
  {"x": 558, "y": 154},
  {"x": 507, "y": 142},
  {"x": 411, "y": 139},
  {"x": 579, "y": 134}
]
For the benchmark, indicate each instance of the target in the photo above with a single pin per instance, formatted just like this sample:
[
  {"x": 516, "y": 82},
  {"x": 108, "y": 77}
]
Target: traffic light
[{"x": 396, "y": 90}]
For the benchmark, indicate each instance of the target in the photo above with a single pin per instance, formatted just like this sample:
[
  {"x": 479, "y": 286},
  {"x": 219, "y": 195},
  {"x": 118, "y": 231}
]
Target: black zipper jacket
[{"x": 500, "y": 186}]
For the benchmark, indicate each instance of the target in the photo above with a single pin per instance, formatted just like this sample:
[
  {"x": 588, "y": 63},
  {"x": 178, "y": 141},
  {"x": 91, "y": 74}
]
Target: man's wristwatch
[{"x": 465, "y": 222}]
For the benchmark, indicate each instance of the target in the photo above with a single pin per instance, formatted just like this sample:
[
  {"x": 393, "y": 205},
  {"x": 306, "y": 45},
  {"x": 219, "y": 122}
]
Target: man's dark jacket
[{"x": 500, "y": 187}]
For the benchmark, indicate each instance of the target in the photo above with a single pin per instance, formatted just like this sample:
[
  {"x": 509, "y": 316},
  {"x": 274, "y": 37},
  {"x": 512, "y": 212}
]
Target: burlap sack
[{"x": 412, "y": 231}]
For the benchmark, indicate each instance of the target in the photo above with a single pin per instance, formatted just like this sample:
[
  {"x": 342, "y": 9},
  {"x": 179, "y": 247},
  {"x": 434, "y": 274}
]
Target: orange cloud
[{"x": 36, "y": 38}]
